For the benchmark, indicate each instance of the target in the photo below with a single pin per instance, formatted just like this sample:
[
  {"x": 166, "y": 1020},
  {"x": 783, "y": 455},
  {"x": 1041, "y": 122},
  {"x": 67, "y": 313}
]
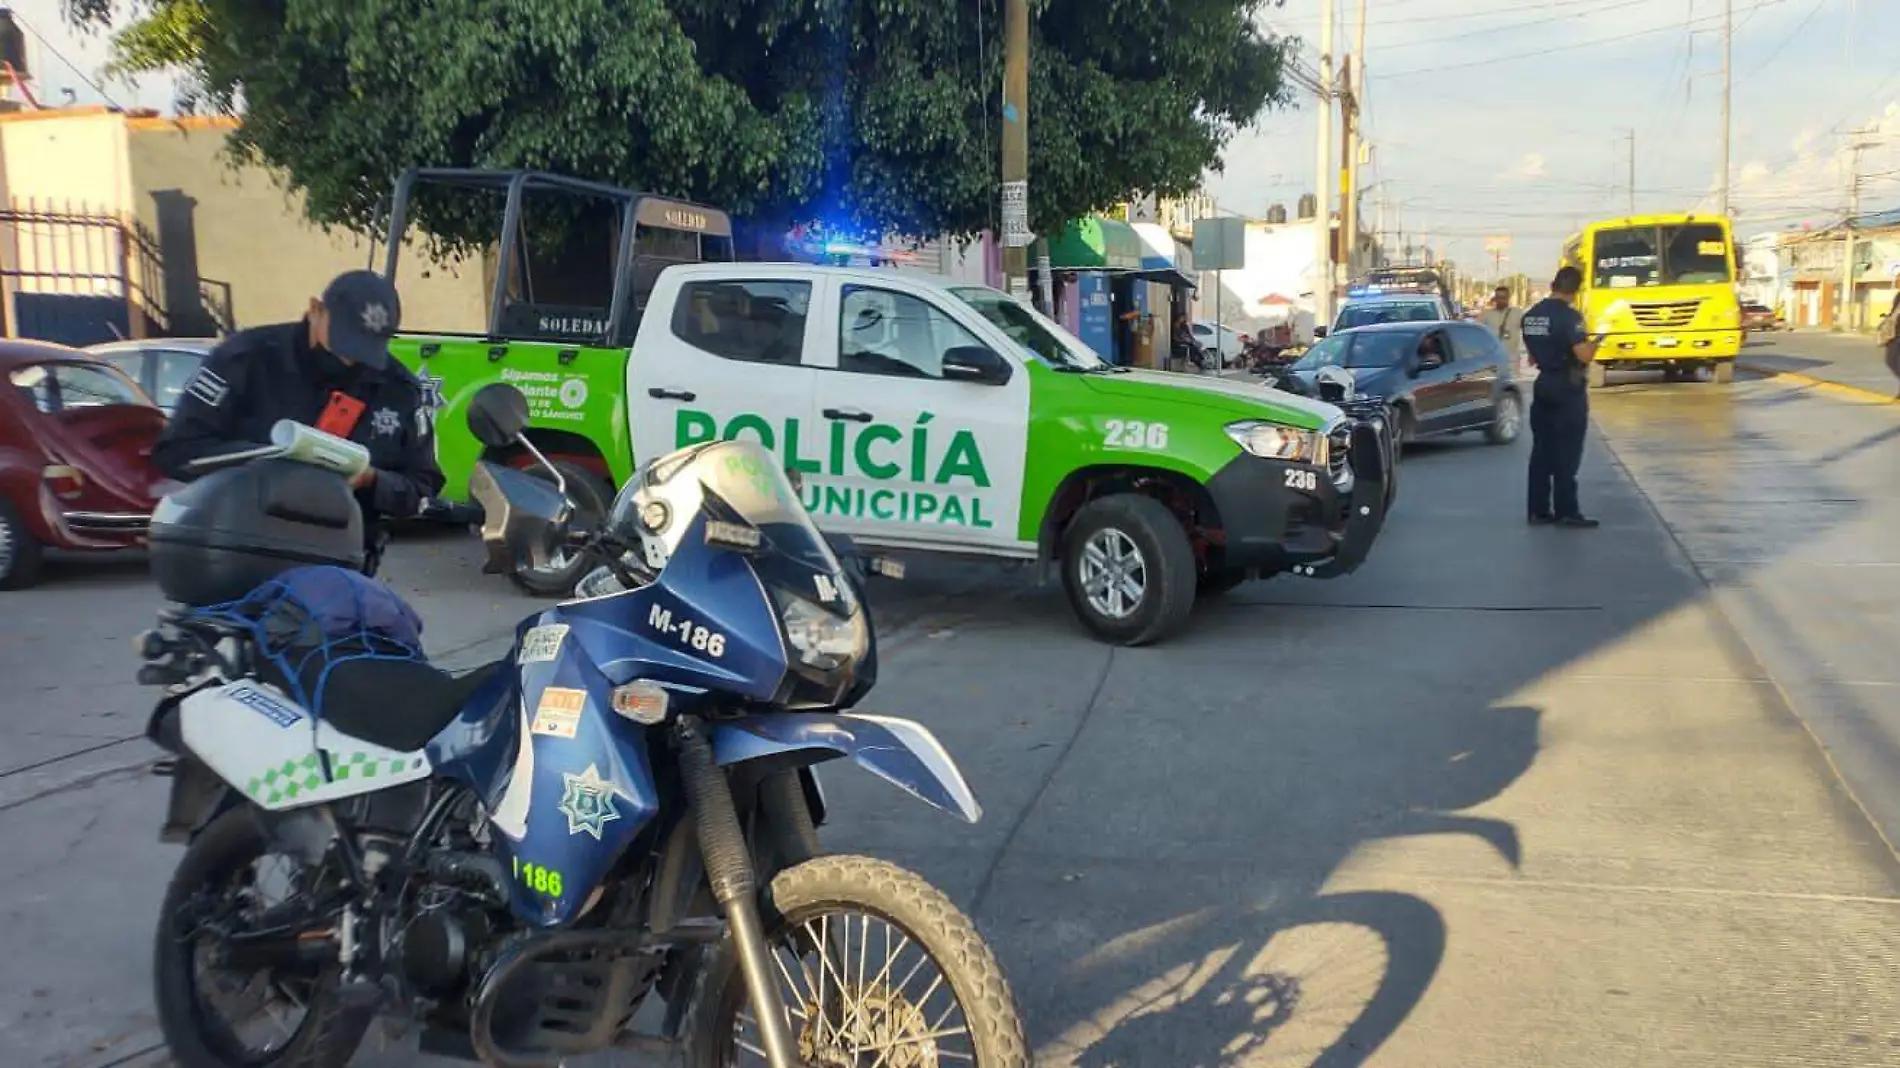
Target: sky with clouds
[
  {"x": 1510, "y": 117},
  {"x": 1505, "y": 117}
]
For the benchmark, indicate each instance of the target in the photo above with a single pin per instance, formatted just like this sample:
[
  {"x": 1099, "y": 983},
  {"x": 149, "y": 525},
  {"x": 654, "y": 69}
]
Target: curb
[{"x": 1823, "y": 385}]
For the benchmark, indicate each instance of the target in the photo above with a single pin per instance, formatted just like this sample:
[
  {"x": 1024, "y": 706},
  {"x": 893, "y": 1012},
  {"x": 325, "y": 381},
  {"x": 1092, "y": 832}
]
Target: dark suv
[{"x": 1438, "y": 377}]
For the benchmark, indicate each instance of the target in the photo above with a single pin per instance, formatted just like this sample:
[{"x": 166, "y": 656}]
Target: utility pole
[
  {"x": 1728, "y": 91},
  {"x": 1630, "y": 134},
  {"x": 1323, "y": 211},
  {"x": 1844, "y": 314},
  {"x": 1016, "y": 235},
  {"x": 1355, "y": 146},
  {"x": 1348, "y": 145}
]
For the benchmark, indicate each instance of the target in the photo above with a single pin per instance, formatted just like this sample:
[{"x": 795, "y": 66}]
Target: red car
[
  {"x": 1759, "y": 317},
  {"x": 76, "y": 470}
]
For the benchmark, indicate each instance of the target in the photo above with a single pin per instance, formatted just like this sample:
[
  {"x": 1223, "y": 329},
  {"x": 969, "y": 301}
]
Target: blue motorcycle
[{"x": 516, "y": 861}]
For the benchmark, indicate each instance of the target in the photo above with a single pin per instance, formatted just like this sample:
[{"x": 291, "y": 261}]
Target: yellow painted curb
[{"x": 1865, "y": 396}]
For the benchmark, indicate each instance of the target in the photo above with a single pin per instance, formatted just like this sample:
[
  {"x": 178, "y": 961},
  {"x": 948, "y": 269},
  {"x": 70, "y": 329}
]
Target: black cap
[{"x": 364, "y": 314}]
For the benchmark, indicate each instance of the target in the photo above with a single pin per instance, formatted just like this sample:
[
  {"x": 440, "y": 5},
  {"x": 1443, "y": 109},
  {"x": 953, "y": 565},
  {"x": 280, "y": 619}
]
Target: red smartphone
[{"x": 340, "y": 415}]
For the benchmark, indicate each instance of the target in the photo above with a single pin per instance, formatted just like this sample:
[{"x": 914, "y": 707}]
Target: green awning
[{"x": 1093, "y": 245}]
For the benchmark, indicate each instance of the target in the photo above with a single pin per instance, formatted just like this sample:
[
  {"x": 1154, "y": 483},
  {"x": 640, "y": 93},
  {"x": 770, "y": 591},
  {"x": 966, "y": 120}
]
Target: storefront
[
  {"x": 1164, "y": 287},
  {"x": 1095, "y": 264}
]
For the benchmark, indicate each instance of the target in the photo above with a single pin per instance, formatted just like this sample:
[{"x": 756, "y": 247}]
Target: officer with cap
[
  {"x": 1563, "y": 349},
  {"x": 330, "y": 370}
]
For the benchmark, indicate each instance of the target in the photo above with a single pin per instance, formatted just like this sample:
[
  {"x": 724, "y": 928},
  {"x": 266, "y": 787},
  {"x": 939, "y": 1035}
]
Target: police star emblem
[
  {"x": 375, "y": 318},
  {"x": 587, "y": 800}
]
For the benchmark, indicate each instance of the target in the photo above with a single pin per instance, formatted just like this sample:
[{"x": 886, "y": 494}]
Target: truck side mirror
[{"x": 975, "y": 363}]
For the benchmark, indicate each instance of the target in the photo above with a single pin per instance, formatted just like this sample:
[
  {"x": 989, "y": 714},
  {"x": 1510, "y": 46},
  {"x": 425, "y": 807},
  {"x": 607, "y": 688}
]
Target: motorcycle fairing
[
  {"x": 899, "y": 751},
  {"x": 566, "y": 800}
]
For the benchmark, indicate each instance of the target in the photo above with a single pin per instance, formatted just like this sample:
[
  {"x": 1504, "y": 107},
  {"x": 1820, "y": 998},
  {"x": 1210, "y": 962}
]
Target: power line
[
  {"x": 1507, "y": 27},
  {"x": 1568, "y": 47}
]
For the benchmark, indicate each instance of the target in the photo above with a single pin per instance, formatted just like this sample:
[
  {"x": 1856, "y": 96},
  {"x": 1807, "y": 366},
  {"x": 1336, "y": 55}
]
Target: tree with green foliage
[{"x": 876, "y": 115}]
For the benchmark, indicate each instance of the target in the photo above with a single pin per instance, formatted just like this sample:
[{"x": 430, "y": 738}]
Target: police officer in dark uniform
[
  {"x": 330, "y": 370},
  {"x": 1562, "y": 349}
]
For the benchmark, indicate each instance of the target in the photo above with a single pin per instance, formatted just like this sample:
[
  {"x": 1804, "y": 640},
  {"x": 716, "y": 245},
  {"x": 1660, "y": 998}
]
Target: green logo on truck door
[
  {"x": 553, "y": 396},
  {"x": 933, "y": 464}
]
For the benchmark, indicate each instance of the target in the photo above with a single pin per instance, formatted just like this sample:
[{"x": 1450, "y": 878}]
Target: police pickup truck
[{"x": 927, "y": 415}]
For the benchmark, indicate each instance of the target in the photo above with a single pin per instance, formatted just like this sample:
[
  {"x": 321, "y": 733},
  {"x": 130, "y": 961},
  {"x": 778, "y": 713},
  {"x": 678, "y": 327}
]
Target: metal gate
[{"x": 76, "y": 276}]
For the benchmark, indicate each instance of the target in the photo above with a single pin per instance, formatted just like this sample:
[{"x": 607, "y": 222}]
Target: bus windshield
[{"x": 1626, "y": 257}]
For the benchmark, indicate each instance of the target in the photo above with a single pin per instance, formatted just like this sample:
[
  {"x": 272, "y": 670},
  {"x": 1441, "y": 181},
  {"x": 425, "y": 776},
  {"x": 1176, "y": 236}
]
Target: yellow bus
[{"x": 1662, "y": 290}]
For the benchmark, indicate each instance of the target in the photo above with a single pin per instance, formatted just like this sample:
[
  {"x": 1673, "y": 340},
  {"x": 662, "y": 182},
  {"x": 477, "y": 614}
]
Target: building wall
[{"x": 235, "y": 230}]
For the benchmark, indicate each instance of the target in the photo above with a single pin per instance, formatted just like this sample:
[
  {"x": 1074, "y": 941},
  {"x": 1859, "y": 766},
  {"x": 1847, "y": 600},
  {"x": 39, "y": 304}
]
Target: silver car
[{"x": 160, "y": 365}]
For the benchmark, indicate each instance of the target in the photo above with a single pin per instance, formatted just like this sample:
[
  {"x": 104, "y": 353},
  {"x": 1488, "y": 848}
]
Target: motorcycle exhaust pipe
[
  {"x": 729, "y": 870},
  {"x": 308, "y": 951}
]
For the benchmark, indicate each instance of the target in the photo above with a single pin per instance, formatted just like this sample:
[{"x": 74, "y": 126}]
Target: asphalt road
[{"x": 1504, "y": 797}]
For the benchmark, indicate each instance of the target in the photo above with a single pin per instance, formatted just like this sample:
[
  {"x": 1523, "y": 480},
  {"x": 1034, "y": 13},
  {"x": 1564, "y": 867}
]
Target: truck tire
[
  {"x": 20, "y": 554},
  {"x": 592, "y": 497},
  {"x": 1599, "y": 375},
  {"x": 1132, "y": 550},
  {"x": 1724, "y": 372}
]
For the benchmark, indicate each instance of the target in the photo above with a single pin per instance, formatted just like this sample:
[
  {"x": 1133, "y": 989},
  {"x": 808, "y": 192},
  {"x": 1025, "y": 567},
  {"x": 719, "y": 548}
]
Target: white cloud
[{"x": 1529, "y": 167}]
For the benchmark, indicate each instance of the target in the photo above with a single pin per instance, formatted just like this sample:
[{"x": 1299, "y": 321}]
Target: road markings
[{"x": 1821, "y": 385}]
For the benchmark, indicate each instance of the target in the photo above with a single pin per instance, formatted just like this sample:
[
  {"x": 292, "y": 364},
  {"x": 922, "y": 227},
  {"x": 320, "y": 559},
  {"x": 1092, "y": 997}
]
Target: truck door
[
  {"x": 913, "y": 457},
  {"x": 725, "y": 358}
]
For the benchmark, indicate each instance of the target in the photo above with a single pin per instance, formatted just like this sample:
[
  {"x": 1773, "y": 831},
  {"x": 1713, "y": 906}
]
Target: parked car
[
  {"x": 1229, "y": 344},
  {"x": 1443, "y": 377},
  {"x": 76, "y": 472},
  {"x": 161, "y": 366},
  {"x": 1759, "y": 317}
]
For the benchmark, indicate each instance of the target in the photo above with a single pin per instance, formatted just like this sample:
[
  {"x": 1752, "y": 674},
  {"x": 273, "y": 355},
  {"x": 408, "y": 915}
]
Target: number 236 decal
[
  {"x": 1134, "y": 434},
  {"x": 1299, "y": 479}
]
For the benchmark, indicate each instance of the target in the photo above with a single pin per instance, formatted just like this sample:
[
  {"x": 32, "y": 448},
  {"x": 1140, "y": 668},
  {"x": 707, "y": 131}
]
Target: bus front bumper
[{"x": 1663, "y": 347}]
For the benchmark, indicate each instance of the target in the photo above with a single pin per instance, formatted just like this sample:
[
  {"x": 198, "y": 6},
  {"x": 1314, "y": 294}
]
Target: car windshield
[
  {"x": 1039, "y": 335},
  {"x": 1684, "y": 254},
  {"x": 1358, "y": 349},
  {"x": 64, "y": 386},
  {"x": 1387, "y": 311}
]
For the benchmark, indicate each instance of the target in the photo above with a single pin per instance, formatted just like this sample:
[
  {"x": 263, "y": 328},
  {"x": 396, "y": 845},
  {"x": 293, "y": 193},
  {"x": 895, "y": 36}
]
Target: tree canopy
[{"x": 881, "y": 116}]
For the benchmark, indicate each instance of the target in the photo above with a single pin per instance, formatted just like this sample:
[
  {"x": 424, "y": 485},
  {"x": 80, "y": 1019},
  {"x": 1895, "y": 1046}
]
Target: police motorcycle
[{"x": 620, "y": 815}]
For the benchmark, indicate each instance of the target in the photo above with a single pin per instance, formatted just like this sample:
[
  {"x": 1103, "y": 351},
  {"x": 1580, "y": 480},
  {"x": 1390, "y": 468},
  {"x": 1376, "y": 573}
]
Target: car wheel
[
  {"x": 20, "y": 553},
  {"x": 1128, "y": 569},
  {"x": 1507, "y": 418},
  {"x": 592, "y": 497},
  {"x": 1408, "y": 428}
]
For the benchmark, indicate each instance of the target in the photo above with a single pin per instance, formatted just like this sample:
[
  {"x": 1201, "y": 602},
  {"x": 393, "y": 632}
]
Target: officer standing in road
[
  {"x": 1562, "y": 349},
  {"x": 330, "y": 370}
]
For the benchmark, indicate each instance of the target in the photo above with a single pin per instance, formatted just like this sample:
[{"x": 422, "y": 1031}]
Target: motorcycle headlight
[
  {"x": 821, "y": 640},
  {"x": 1272, "y": 441}
]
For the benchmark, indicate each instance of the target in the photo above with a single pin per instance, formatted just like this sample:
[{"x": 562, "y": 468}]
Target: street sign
[
  {"x": 1220, "y": 244},
  {"x": 1016, "y": 215}
]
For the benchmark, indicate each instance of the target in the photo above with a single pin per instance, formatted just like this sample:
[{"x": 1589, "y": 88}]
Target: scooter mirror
[{"x": 497, "y": 415}]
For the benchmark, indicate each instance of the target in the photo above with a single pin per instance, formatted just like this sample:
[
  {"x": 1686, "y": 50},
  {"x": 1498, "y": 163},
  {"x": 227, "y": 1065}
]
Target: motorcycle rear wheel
[
  {"x": 862, "y": 1001},
  {"x": 326, "y": 1036}
]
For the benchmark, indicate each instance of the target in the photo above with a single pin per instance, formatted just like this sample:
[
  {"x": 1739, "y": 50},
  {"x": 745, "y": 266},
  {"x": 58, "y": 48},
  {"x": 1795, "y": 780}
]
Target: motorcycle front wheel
[{"x": 874, "y": 965}]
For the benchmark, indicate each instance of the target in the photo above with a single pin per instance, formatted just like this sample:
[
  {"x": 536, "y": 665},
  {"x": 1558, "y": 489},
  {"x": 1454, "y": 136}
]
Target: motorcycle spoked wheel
[
  {"x": 219, "y": 863},
  {"x": 863, "y": 998}
]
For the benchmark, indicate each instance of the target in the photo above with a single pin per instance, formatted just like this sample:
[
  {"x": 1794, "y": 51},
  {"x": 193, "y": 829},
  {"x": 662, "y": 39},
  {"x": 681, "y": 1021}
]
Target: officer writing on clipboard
[
  {"x": 330, "y": 370},
  {"x": 1562, "y": 348}
]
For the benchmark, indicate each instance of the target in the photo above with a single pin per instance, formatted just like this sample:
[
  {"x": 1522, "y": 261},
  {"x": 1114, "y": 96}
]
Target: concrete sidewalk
[{"x": 1850, "y": 365}]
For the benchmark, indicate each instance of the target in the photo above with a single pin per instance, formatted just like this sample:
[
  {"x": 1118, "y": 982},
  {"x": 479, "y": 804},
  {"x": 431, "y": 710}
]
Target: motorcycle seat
[{"x": 397, "y": 704}]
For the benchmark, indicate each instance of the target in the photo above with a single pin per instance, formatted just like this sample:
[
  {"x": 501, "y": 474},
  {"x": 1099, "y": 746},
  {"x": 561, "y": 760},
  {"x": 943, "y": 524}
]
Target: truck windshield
[
  {"x": 1628, "y": 257},
  {"x": 1039, "y": 335}
]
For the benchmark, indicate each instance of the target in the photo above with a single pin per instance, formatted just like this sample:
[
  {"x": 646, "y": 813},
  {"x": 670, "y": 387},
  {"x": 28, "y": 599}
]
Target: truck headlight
[{"x": 1272, "y": 441}]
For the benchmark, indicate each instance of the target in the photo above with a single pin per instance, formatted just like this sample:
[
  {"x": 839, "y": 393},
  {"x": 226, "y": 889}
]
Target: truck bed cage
[{"x": 636, "y": 209}]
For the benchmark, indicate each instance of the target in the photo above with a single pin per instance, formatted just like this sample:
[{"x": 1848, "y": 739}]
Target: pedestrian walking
[
  {"x": 1505, "y": 321},
  {"x": 1562, "y": 350},
  {"x": 329, "y": 370}
]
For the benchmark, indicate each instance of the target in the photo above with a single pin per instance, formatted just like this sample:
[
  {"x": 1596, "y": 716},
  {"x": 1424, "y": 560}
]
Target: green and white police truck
[{"x": 920, "y": 414}]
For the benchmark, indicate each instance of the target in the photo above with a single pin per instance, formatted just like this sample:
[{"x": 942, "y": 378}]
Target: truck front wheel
[{"x": 1128, "y": 569}]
